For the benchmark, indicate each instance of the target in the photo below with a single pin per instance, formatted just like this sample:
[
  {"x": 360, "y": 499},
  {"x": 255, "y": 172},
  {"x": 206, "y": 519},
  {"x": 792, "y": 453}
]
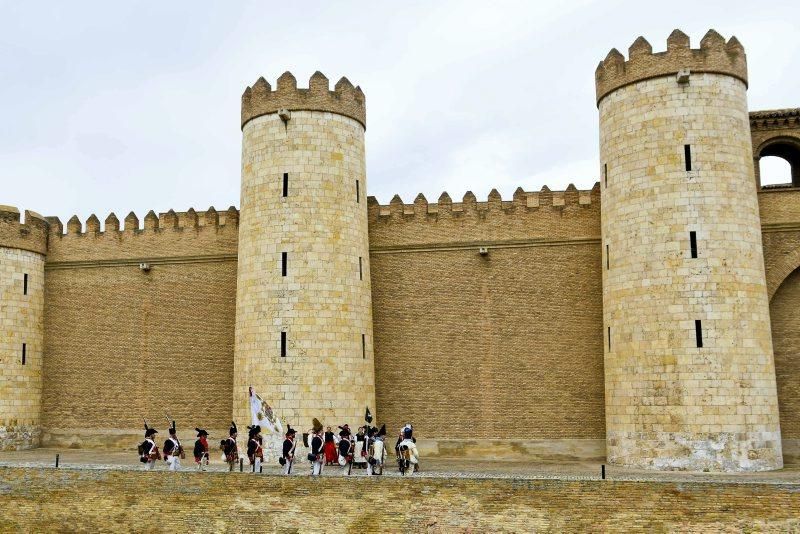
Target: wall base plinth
[
  {"x": 675, "y": 451},
  {"x": 19, "y": 437}
]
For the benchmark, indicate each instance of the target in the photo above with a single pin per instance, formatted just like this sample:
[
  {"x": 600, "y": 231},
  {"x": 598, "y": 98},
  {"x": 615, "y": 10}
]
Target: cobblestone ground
[{"x": 435, "y": 467}]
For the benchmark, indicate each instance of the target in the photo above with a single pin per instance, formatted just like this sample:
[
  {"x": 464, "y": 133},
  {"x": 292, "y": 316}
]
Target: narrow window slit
[
  {"x": 687, "y": 154},
  {"x": 283, "y": 344},
  {"x": 360, "y": 269},
  {"x": 698, "y": 333},
  {"x": 609, "y": 338},
  {"x": 608, "y": 260},
  {"x": 364, "y": 346},
  {"x": 693, "y": 243},
  {"x": 358, "y": 193},
  {"x": 284, "y": 261},
  {"x": 286, "y": 184},
  {"x": 605, "y": 173},
  {"x": 24, "y": 352},
  {"x": 25, "y": 284}
]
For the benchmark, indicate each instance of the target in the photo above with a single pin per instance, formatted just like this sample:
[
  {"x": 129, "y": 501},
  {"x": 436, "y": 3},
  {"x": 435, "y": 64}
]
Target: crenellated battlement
[
  {"x": 167, "y": 234},
  {"x": 169, "y": 220},
  {"x": 469, "y": 205},
  {"x": 28, "y": 235},
  {"x": 345, "y": 99},
  {"x": 715, "y": 55},
  {"x": 542, "y": 215}
]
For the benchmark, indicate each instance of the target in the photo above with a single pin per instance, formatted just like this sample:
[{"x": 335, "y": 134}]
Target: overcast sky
[{"x": 135, "y": 105}]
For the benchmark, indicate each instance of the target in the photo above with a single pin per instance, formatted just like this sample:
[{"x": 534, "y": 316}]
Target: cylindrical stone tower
[
  {"x": 22, "y": 252},
  {"x": 303, "y": 303},
  {"x": 690, "y": 377}
]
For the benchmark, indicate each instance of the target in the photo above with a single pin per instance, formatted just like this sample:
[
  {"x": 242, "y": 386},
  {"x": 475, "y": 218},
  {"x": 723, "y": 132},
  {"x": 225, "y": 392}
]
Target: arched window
[{"x": 779, "y": 163}]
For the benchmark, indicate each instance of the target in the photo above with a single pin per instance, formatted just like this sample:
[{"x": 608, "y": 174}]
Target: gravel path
[{"x": 435, "y": 467}]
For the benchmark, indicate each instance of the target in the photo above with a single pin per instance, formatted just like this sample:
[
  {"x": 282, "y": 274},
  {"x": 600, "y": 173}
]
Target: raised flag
[{"x": 263, "y": 415}]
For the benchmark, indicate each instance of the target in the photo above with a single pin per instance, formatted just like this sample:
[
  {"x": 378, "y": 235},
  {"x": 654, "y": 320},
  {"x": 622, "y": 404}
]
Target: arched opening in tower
[{"x": 779, "y": 164}]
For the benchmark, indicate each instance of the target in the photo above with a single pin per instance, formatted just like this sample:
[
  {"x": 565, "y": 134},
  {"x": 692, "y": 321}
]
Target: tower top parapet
[
  {"x": 345, "y": 99},
  {"x": 715, "y": 55},
  {"x": 28, "y": 235}
]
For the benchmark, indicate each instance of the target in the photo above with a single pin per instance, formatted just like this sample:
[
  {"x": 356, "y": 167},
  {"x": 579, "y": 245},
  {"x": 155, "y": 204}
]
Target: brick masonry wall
[
  {"x": 715, "y": 407},
  {"x": 21, "y": 322},
  {"x": 47, "y": 500},
  {"x": 122, "y": 344},
  {"x": 786, "y": 339}
]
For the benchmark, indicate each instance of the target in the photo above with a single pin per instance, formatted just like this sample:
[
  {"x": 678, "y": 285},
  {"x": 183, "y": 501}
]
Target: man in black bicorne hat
[
  {"x": 148, "y": 450},
  {"x": 255, "y": 448},
  {"x": 173, "y": 451},
  {"x": 289, "y": 445},
  {"x": 229, "y": 447},
  {"x": 201, "y": 449}
]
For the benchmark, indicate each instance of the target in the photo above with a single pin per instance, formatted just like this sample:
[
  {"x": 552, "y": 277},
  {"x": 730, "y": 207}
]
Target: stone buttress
[
  {"x": 303, "y": 309},
  {"x": 22, "y": 256},
  {"x": 689, "y": 371}
]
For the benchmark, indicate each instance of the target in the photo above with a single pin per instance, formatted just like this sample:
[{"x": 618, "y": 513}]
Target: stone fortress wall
[{"x": 488, "y": 354}]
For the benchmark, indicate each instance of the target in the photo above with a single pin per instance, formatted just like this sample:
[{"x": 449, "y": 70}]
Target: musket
[
  {"x": 294, "y": 447},
  {"x": 352, "y": 457}
]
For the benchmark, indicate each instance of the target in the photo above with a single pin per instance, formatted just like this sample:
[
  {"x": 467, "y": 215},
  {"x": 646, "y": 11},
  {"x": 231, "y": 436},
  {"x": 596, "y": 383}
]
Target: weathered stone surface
[{"x": 669, "y": 403}]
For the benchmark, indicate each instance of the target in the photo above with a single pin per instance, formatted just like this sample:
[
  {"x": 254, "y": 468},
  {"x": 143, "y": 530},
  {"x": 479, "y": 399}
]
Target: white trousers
[
  {"x": 256, "y": 467},
  {"x": 369, "y": 468},
  {"x": 150, "y": 465},
  {"x": 174, "y": 463},
  {"x": 286, "y": 467},
  {"x": 316, "y": 468}
]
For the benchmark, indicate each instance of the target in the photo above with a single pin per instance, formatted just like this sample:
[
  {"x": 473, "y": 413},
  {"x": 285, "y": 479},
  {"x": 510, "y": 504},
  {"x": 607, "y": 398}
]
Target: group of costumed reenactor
[{"x": 364, "y": 450}]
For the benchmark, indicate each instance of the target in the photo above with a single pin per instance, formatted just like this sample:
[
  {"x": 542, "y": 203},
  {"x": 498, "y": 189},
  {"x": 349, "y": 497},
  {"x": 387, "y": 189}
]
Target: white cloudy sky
[{"x": 135, "y": 105}]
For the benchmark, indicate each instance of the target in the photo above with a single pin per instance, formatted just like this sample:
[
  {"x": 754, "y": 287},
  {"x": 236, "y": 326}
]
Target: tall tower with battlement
[
  {"x": 689, "y": 371},
  {"x": 22, "y": 252},
  {"x": 303, "y": 306}
]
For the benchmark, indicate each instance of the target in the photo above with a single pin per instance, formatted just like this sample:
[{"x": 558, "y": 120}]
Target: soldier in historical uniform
[
  {"x": 230, "y": 449},
  {"x": 407, "y": 453},
  {"x": 201, "y": 449},
  {"x": 148, "y": 450},
  {"x": 345, "y": 447},
  {"x": 317, "y": 455},
  {"x": 255, "y": 448},
  {"x": 360, "y": 448},
  {"x": 331, "y": 456},
  {"x": 289, "y": 446},
  {"x": 376, "y": 450},
  {"x": 173, "y": 450}
]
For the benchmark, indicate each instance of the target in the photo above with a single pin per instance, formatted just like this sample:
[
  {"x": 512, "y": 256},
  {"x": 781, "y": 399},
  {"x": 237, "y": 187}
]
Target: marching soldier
[
  {"x": 201, "y": 449},
  {"x": 360, "y": 448},
  {"x": 148, "y": 450},
  {"x": 229, "y": 447},
  {"x": 330, "y": 447},
  {"x": 375, "y": 448},
  {"x": 407, "y": 454},
  {"x": 316, "y": 456},
  {"x": 173, "y": 450},
  {"x": 255, "y": 449},
  {"x": 345, "y": 448},
  {"x": 289, "y": 446}
]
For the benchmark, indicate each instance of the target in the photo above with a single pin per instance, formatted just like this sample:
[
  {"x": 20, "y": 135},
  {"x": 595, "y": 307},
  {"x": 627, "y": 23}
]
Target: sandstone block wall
[
  {"x": 323, "y": 303},
  {"x": 669, "y": 403},
  {"x": 240, "y": 502},
  {"x": 21, "y": 323}
]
